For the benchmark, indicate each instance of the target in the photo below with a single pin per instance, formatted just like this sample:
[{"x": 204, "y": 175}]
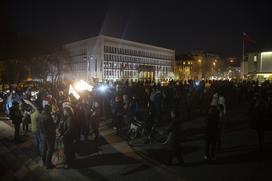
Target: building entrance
[{"x": 146, "y": 73}]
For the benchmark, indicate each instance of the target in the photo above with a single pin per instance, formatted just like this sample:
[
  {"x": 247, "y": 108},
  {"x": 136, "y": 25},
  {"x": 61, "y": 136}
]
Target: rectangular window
[{"x": 255, "y": 58}]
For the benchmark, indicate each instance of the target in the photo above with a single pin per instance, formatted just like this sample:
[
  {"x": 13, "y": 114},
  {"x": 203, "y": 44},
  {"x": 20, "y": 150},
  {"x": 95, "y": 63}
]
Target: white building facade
[
  {"x": 107, "y": 58},
  {"x": 257, "y": 64}
]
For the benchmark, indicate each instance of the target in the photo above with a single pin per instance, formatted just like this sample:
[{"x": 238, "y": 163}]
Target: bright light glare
[
  {"x": 266, "y": 53},
  {"x": 34, "y": 93},
  {"x": 267, "y": 75},
  {"x": 73, "y": 92},
  {"x": 82, "y": 85},
  {"x": 102, "y": 88}
]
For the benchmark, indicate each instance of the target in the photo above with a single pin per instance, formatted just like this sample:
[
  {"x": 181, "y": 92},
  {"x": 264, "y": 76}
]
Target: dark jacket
[
  {"x": 69, "y": 126},
  {"x": 47, "y": 125},
  {"x": 95, "y": 119},
  {"x": 174, "y": 130},
  {"x": 212, "y": 124},
  {"x": 15, "y": 115}
]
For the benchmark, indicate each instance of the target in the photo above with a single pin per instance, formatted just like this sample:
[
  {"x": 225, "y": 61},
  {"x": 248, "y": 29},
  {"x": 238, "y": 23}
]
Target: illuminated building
[
  {"x": 207, "y": 65},
  {"x": 107, "y": 58},
  {"x": 184, "y": 67},
  {"x": 198, "y": 65},
  {"x": 257, "y": 65}
]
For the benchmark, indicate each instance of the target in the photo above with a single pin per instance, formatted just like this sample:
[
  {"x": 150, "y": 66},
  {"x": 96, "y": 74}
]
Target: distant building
[
  {"x": 184, "y": 67},
  {"x": 257, "y": 65},
  {"x": 107, "y": 58},
  {"x": 231, "y": 69},
  {"x": 198, "y": 65},
  {"x": 208, "y": 65}
]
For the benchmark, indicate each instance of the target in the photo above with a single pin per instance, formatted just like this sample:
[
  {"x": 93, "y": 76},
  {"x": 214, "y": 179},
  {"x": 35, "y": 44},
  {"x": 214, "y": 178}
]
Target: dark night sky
[{"x": 210, "y": 25}]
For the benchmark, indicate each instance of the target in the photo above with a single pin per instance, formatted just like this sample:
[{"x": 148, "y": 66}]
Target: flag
[{"x": 247, "y": 38}]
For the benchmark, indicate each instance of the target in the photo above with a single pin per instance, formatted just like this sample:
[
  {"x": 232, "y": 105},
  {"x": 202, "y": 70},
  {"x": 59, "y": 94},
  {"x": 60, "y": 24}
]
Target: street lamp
[{"x": 200, "y": 68}]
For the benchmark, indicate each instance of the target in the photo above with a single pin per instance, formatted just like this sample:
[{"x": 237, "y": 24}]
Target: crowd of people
[{"x": 56, "y": 114}]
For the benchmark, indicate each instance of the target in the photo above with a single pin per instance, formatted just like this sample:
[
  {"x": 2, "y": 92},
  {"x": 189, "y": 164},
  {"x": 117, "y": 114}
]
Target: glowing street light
[
  {"x": 82, "y": 85},
  {"x": 102, "y": 88},
  {"x": 199, "y": 60}
]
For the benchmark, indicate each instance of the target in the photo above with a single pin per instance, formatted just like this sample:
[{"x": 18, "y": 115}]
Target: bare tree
[{"x": 50, "y": 67}]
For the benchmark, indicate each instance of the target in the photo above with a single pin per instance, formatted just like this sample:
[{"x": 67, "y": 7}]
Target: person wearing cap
[{"x": 16, "y": 117}]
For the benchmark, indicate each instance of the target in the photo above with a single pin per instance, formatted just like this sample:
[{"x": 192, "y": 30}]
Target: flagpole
[{"x": 243, "y": 55}]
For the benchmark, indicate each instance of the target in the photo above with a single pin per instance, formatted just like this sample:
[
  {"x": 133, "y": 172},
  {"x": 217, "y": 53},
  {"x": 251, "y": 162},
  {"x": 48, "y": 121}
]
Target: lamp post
[{"x": 200, "y": 68}]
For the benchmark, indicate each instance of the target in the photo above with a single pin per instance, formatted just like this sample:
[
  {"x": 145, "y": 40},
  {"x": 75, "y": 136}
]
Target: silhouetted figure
[
  {"x": 172, "y": 141},
  {"x": 118, "y": 114},
  {"x": 95, "y": 119},
  {"x": 221, "y": 126},
  {"x": 16, "y": 117},
  {"x": 48, "y": 135},
  {"x": 212, "y": 132},
  {"x": 259, "y": 118},
  {"x": 69, "y": 136}
]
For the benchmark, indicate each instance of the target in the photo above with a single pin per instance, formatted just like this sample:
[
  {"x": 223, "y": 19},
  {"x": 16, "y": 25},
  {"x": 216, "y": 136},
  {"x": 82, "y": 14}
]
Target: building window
[{"x": 255, "y": 58}]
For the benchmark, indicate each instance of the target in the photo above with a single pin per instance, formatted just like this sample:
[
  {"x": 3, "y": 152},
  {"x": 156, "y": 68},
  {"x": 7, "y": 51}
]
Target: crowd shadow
[
  {"x": 105, "y": 159},
  {"x": 137, "y": 169},
  {"x": 92, "y": 174},
  {"x": 85, "y": 148},
  {"x": 245, "y": 157},
  {"x": 162, "y": 155},
  {"x": 240, "y": 148},
  {"x": 237, "y": 155},
  {"x": 90, "y": 155}
]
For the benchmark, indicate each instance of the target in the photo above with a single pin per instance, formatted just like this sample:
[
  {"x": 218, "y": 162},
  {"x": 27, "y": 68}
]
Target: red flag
[{"x": 247, "y": 38}]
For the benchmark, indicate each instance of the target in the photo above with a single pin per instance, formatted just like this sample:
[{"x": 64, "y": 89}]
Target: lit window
[{"x": 255, "y": 58}]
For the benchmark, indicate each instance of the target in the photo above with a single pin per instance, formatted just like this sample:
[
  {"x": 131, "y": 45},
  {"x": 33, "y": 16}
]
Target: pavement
[{"x": 113, "y": 159}]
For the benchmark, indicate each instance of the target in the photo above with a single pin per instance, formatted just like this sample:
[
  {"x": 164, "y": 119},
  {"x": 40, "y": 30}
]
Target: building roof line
[{"x": 120, "y": 41}]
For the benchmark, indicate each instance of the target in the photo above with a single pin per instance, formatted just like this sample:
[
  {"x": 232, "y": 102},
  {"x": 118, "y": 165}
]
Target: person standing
[
  {"x": 221, "y": 126},
  {"x": 212, "y": 132},
  {"x": 118, "y": 114},
  {"x": 68, "y": 135},
  {"x": 95, "y": 119},
  {"x": 172, "y": 141},
  {"x": 83, "y": 115},
  {"x": 16, "y": 117},
  {"x": 36, "y": 130},
  {"x": 26, "y": 116},
  {"x": 48, "y": 135}
]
